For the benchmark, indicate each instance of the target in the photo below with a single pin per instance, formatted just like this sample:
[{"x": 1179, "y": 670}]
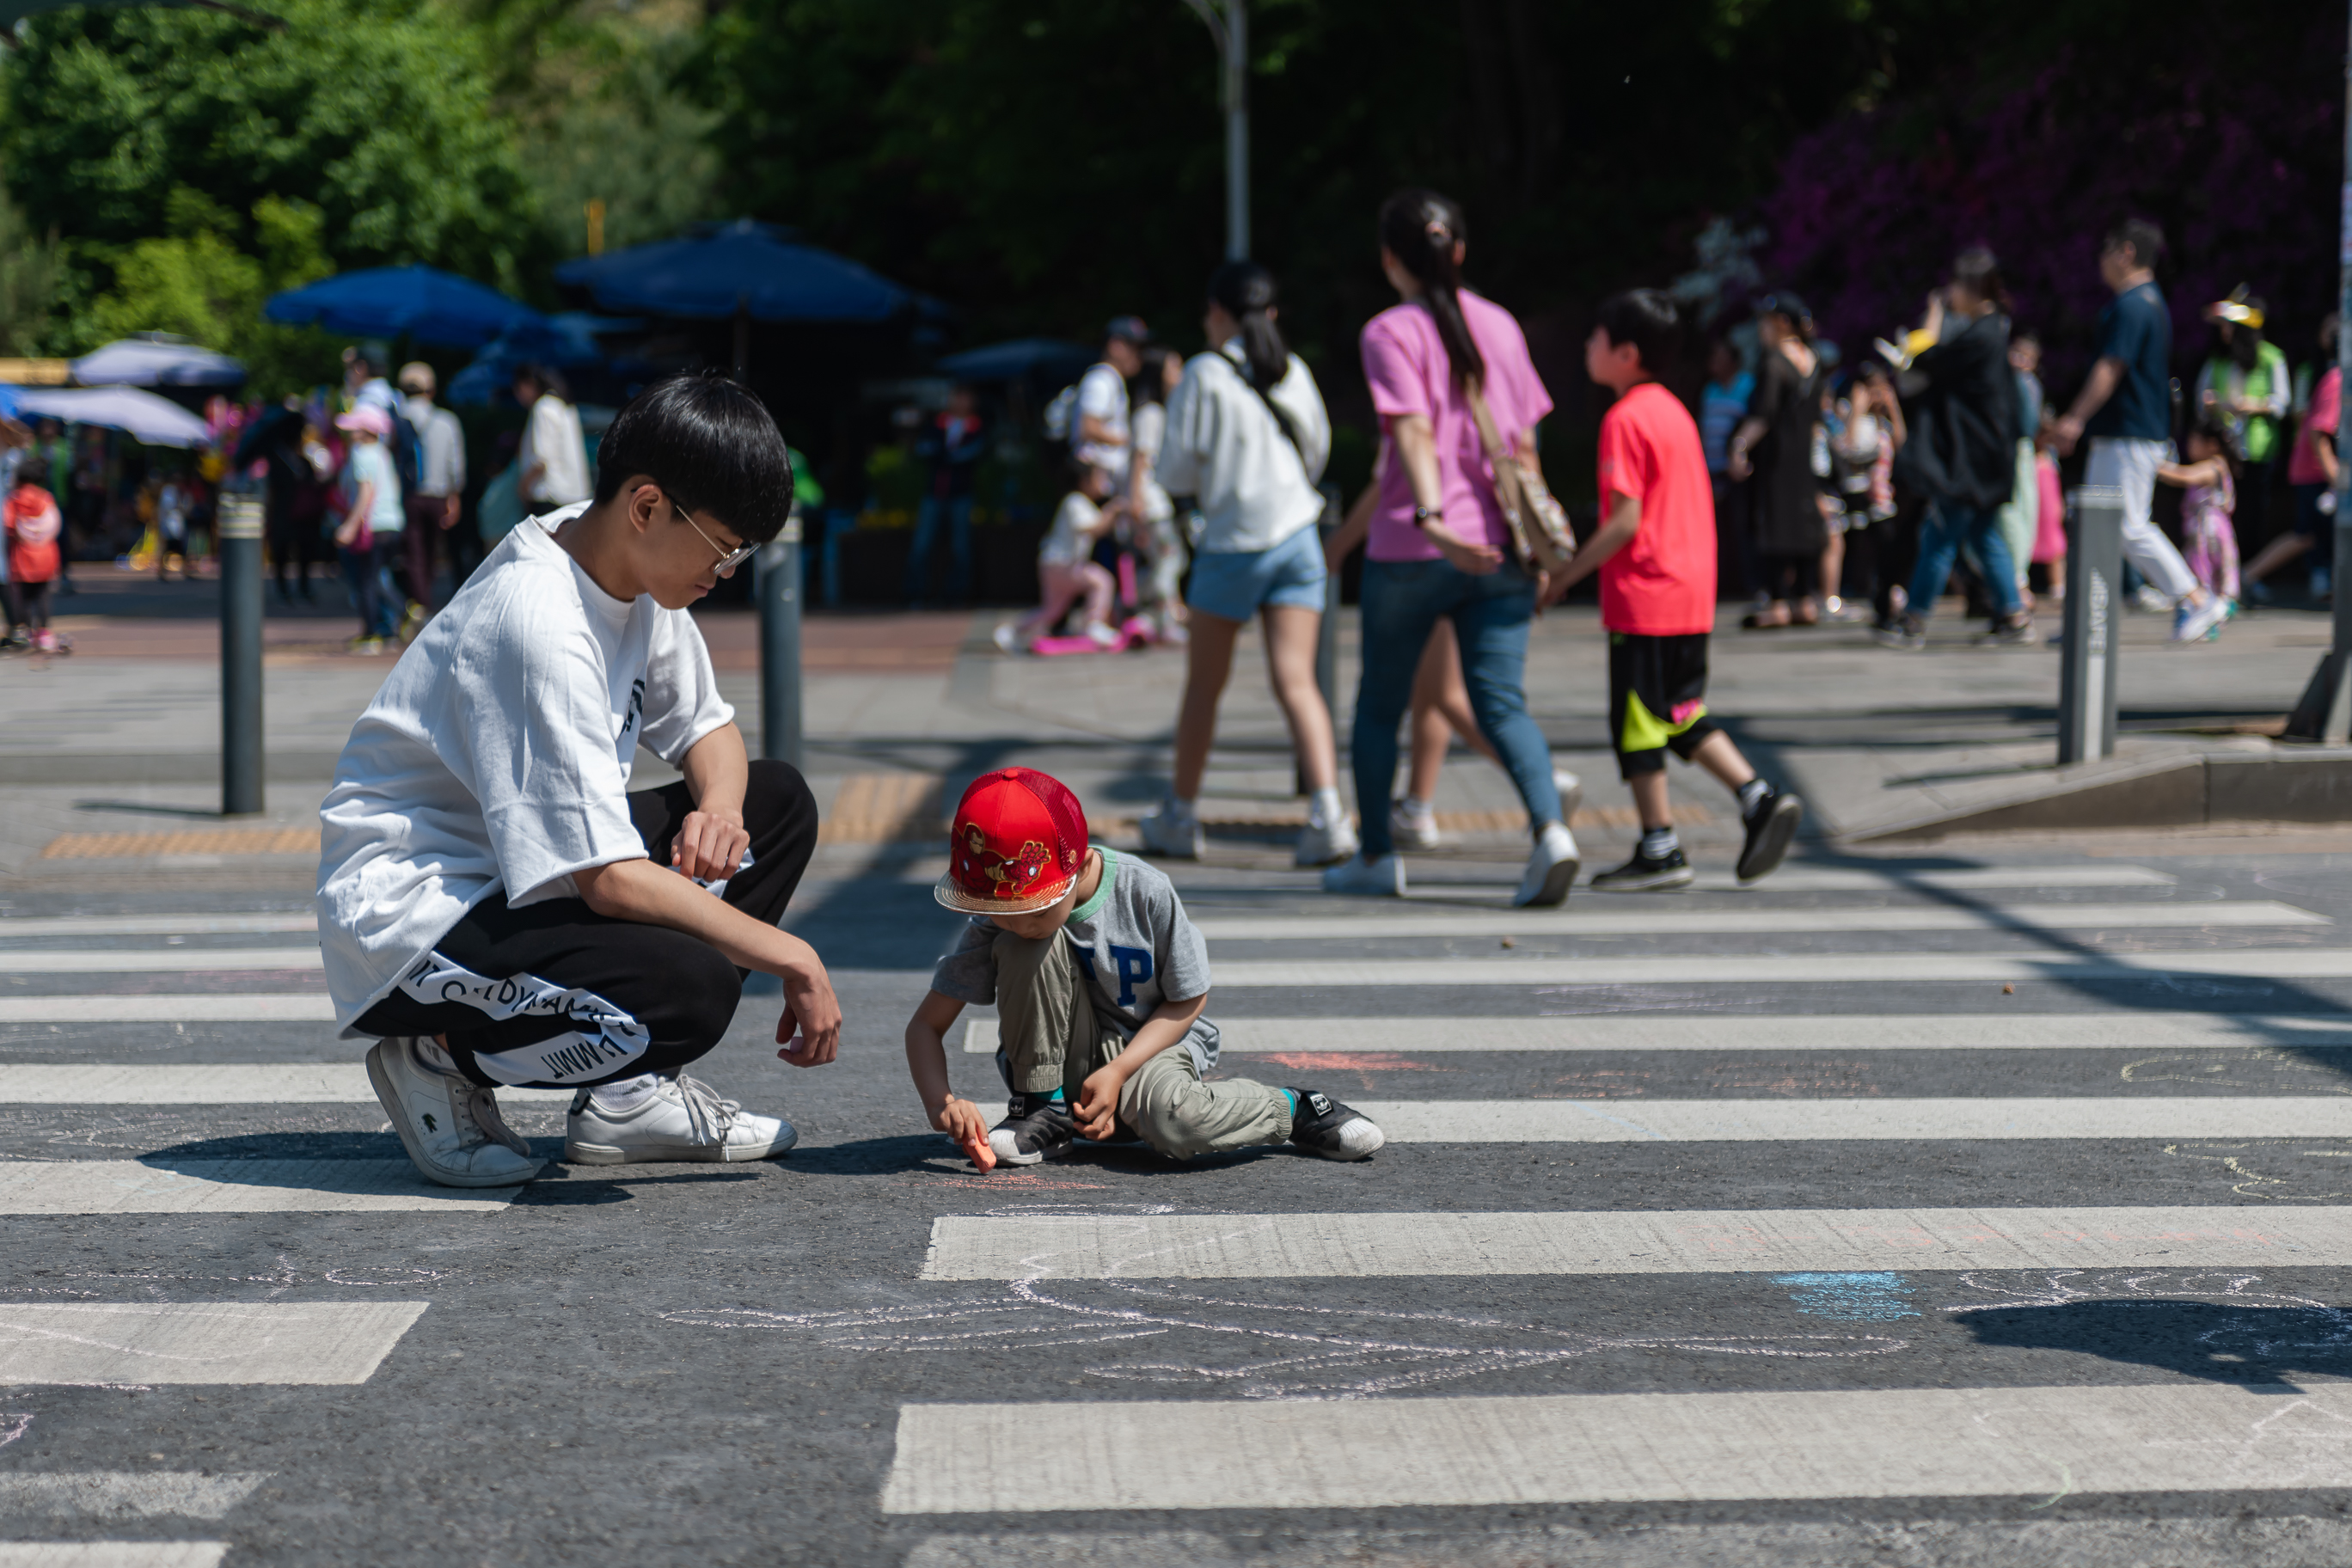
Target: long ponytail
[
  {"x": 1246, "y": 292},
  {"x": 1421, "y": 228}
]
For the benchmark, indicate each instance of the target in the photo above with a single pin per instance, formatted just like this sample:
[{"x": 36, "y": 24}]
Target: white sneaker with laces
[
  {"x": 448, "y": 1123},
  {"x": 682, "y": 1119},
  {"x": 2193, "y": 623},
  {"x": 1412, "y": 829},
  {"x": 1551, "y": 869},
  {"x": 1173, "y": 833},
  {"x": 1381, "y": 878},
  {"x": 1321, "y": 843},
  {"x": 1102, "y": 633}
]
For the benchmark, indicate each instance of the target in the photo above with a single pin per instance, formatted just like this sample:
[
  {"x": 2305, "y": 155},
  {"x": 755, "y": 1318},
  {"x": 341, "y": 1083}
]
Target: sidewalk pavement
[{"x": 122, "y": 738}]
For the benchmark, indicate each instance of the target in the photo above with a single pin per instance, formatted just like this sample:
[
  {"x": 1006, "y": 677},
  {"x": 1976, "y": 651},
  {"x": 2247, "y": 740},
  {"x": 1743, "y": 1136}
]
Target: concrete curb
[{"x": 2164, "y": 791}]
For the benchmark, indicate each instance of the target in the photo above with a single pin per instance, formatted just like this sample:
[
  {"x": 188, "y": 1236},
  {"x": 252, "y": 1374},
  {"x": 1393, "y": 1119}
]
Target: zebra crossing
[{"x": 2011, "y": 1185}]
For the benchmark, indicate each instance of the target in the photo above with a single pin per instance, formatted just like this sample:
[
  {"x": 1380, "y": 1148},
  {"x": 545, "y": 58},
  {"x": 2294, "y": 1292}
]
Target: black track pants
[{"x": 557, "y": 996}]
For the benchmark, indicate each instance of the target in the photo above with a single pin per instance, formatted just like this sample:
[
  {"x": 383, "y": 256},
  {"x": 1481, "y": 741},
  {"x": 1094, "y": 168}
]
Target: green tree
[{"x": 28, "y": 278}]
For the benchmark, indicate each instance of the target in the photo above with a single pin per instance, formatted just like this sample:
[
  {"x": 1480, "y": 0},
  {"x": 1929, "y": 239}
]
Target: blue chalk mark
[{"x": 1849, "y": 1298}]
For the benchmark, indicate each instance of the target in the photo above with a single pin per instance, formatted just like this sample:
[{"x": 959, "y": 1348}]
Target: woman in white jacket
[{"x": 1247, "y": 438}]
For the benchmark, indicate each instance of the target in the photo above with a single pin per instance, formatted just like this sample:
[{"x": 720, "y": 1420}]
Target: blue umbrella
[
  {"x": 1041, "y": 357},
  {"x": 718, "y": 270},
  {"x": 567, "y": 340},
  {"x": 430, "y": 305}
]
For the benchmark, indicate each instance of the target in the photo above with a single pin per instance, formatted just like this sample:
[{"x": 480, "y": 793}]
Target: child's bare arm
[
  {"x": 2205, "y": 471},
  {"x": 926, "y": 1061},
  {"x": 1098, "y": 1108},
  {"x": 1353, "y": 529}
]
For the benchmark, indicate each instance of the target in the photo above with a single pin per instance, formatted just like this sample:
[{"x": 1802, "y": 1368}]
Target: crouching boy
[{"x": 1099, "y": 983}]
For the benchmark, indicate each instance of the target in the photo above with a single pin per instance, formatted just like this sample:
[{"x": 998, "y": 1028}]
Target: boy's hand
[
  {"x": 962, "y": 1121},
  {"x": 1477, "y": 560},
  {"x": 1096, "y": 1111},
  {"x": 810, "y": 1029},
  {"x": 710, "y": 846}
]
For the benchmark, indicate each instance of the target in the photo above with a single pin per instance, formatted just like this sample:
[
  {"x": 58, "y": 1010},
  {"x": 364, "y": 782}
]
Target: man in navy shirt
[{"x": 2126, "y": 408}]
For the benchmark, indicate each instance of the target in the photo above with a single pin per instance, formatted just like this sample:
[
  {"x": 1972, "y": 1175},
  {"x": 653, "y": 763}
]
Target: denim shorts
[{"x": 1235, "y": 584}]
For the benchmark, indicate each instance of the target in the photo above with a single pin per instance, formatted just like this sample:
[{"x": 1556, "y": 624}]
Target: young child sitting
[
  {"x": 1099, "y": 983},
  {"x": 2209, "y": 497},
  {"x": 1065, "y": 568}
]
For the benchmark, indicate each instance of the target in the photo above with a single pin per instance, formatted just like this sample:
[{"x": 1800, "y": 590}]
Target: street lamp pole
[
  {"x": 2325, "y": 713},
  {"x": 1228, "y": 25}
]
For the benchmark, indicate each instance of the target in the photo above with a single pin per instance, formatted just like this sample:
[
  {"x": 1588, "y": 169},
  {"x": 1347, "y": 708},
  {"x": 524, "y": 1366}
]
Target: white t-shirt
[
  {"x": 1102, "y": 395},
  {"x": 1071, "y": 539},
  {"x": 1225, "y": 449},
  {"x": 1150, "y": 430},
  {"x": 553, "y": 437},
  {"x": 496, "y": 756}
]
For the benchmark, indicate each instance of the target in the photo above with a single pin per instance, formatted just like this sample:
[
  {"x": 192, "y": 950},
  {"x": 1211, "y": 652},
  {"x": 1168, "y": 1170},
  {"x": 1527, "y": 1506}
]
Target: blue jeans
[
  {"x": 1942, "y": 531},
  {"x": 362, "y": 574},
  {"x": 1402, "y": 601},
  {"x": 956, "y": 512}
]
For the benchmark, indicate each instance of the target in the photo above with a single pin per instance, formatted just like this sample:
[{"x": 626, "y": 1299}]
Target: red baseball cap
[{"x": 1018, "y": 843}]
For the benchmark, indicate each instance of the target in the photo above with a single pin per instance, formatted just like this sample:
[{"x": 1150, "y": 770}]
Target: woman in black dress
[{"x": 1774, "y": 450}]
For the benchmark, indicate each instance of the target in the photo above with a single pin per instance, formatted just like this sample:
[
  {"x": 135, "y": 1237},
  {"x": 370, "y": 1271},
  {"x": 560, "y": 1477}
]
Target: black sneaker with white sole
[
  {"x": 1772, "y": 824},
  {"x": 1644, "y": 873},
  {"x": 1035, "y": 1126},
  {"x": 1321, "y": 1125}
]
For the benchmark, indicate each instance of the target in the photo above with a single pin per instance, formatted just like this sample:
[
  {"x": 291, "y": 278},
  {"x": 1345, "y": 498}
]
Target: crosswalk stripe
[
  {"x": 112, "y": 1553},
  {"x": 1752, "y": 1031},
  {"x": 1846, "y": 1120},
  {"x": 1650, "y": 920},
  {"x": 155, "y": 925},
  {"x": 1694, "y": 1241},
  {"x": 1716, "y": 969},
  {"x": 245, "y": 1007},
  {"x": 199, "y": 1341},
  {"x": 126, "y": 1494},
  {"x": 270, "y": 1083},
  {"x": 1456, "y": 1451},
  {"x": 234, "y": 1186},
  {"x": 132, "y": 960}
]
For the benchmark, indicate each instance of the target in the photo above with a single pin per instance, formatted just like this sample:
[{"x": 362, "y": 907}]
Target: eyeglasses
[{"x": 728, "y": 559}]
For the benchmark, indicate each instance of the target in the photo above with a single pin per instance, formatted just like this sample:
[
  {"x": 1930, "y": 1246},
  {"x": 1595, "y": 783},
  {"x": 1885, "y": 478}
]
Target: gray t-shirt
[{"x": 1134, "y": 941}]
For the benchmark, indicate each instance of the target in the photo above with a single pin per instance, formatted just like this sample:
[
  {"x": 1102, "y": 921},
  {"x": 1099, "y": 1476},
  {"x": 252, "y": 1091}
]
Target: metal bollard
[
  {"x": 2088, "y": 671},
  {"x": 777, "y": 581},
  {"x": 240, "y": 599},
  {"x": 1326, "y": 638}
]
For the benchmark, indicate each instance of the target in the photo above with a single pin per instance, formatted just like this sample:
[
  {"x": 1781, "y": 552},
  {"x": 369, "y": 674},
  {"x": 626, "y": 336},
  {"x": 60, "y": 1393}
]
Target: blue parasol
[
  {"x": 716, "y": 271},
  {"x": 429, "y": 305}
]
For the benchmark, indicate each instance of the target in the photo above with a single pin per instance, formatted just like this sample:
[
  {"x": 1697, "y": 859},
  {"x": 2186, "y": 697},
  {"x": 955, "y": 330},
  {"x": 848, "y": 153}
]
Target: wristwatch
[{"x": 1422, "y": 514}]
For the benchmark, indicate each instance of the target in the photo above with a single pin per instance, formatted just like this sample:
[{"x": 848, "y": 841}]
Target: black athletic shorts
[{"x": 1657, "y": 699}]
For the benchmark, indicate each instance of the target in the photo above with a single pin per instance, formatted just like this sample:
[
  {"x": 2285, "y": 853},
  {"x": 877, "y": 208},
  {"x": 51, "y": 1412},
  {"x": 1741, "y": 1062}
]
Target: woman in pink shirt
[{"x": 1438, "y": 545}]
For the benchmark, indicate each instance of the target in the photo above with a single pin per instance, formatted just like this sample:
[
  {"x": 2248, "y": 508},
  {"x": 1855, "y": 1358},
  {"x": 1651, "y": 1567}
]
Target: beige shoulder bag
[{"x": 1539, "y": 532}]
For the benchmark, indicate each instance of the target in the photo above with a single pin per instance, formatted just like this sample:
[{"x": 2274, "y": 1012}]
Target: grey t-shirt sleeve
[
  {"x": 967, "y": 971},
  {"x": 1183, "y": 955}
]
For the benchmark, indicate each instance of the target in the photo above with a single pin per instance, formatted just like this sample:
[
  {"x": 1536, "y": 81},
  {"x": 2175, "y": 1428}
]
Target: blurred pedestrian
[
  {"x": 1871, "y": 431},
  {"x": 372, "y": 511},
  {"x": 2311, "y": 469},
  {"x": 2245, "y": 385},
  {"x": 1772, "y": 453},
  {"x": 1443, "y": 363},
  {"x": 2125, "y": 409},
  {"x": 172, "y": 524},
  {"x": 438, "y": 498},
  {"x": 1066, "y": 570},
  {"x": 554, "y": 453},
  {"x": 1099, "y": 432},
  {"x": 1151, "y": 517},
  {"x": 952, "y": 445},
  {"x": 2208, "y": 484},
  {"x": 1962, "y": 451},
  {"x": 32, "y": 525},
  {"x": 1247, "y": 438},
  {"x": 2021, "y": 514},
  {"x": 363, "y": 383}
]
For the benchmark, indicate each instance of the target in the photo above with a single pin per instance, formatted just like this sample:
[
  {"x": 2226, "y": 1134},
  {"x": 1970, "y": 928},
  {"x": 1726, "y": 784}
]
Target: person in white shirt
[
  {"x": 440, "y": 491},
  {"x": 495, "y": 907},
  {"x": 1247, "y": 438},
  {"x": 1099, "y": 433},
  {"x": 554, "y": 455}
]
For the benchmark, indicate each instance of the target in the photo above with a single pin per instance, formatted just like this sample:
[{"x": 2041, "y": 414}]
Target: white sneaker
[
  {"x": 682, "y": 1119},
  {"x": 1412, "y": 829},
  {"x": 1381, "y": 878},
  {"x": 1007, "y": 638},
  {"x": 1551, "y": 870},
  {"x": 448, "y": 1123},
  {"x": 1103, "y": 635},
  {"x": 1572, "y": 793},
  {"x": 1173, "y": 833},
  {"x": 1320, "y": 844},
  {"x": 2194, "y": 623}
]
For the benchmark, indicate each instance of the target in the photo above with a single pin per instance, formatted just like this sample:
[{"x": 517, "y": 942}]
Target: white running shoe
[
  {"x": 1551, "y": 869},
  {"x": 1173, "y": 833},
  {"x": 1381, "y": 878},
  {"x": 1007, "y": 638},
  {"x": 1412, "y": 829},
  {"x": 682, "y": 1119},
  {"x": 2193, "y": 623},
  {"x": 1572, "y": 793},
  {"x": 1103, "y": 635},
  {"x": 448, "y": 1123},
  {"x": 1320, "y": 844}
]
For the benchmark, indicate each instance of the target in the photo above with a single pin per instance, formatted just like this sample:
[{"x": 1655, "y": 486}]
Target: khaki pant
[{"x": 1049, "y": 1039}]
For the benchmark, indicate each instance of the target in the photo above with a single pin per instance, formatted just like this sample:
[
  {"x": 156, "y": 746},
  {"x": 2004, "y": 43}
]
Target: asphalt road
[{"x": 240, "y": 1333}]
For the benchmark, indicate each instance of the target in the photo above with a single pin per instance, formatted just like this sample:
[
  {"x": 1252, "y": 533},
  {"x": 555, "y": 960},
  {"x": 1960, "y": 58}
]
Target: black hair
[
  {"x": 1978, "y": 271},
  {"x": 2327, "y": 328},
  {"x": 710, "y": 445},
  {"x": 1151, "y": 381},
  {"x": 2147, "y": 240},
  {"x": 2209, "y": 426},
  {"x": 547, "y": 378},
  {"x": 2025, "y": 335},
  {"x": 1246, "y": 292},
  {"x": 1421, "y": 228},
  {"x": 1647, "y": 319},
  {"x": 1790, "y": 309}
]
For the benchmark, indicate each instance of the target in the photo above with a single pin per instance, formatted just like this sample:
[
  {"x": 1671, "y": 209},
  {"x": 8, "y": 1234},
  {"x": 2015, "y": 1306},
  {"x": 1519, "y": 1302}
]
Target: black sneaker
[
  {"x": 1644, "y": 872},
  {"x": 1034, "y": 1128},
  {"x": 1904, "y": 633},
  {"x": 1771, "y": 824},
  {"x": 1321, "y": 1125}
]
